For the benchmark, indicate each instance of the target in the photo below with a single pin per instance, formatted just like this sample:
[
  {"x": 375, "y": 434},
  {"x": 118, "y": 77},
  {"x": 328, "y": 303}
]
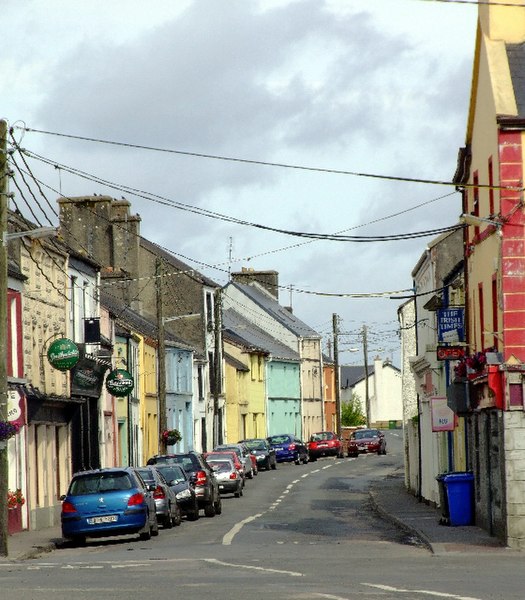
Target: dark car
[
  {"x": 263, "y": 452},
  {"x": 324, "y": 443},
  {"x": 288, "y": 448},
  {"x": 168, "y": 511},
  {"x": 370, "y": 440},
  {"x": 200, "y": 474},
  {"x": 179, "y": 481},
  {"x": 108, "y": 502}
]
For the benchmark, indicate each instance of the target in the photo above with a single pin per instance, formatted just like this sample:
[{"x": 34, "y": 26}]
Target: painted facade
[
  {"x": 179, "y": 394},
  {"x": 490, "y": 175}
]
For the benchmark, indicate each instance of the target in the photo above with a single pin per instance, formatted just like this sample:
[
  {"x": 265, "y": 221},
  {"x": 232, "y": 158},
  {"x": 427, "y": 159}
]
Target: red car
[
  {"x": 324, "y": 443},
  {"x": 370, "y": 440}
]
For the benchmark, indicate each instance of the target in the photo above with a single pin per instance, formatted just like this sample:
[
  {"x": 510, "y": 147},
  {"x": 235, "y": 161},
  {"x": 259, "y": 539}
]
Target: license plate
[
  {"x": 221, "y": 487},
  {"x": 105, "y": 519},
  {"x": 322, "y": 445}
]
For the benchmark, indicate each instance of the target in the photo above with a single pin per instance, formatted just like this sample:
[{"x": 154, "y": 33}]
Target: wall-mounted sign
[
  {"x": 87, "y": 377},
  {"x": 63, "y": 354},
  {"x": 451, "y": 324},
  {"x": 443, "y": 418},
  {"x": 119, "y": 382},
  {"x": 450, "y": 352}
]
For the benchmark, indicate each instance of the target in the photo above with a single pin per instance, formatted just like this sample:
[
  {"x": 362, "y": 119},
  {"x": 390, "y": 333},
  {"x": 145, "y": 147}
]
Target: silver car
[
  {"x": 244, "y": 456},
  {"x": 166, "y": 506},
  {"x": 228, "y": 478}
]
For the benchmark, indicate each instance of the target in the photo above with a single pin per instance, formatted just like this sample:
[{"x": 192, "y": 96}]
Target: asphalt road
[{"x": 299, "y": 532}]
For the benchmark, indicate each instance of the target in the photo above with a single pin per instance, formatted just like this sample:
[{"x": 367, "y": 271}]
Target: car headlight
[{"x": 183, "y": 495}]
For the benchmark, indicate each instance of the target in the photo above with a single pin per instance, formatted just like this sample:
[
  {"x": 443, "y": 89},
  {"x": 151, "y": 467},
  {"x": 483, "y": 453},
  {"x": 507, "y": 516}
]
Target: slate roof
[
  {"x": 138, "y": 323},
  {"x": 351, "y": 375},
  {"x": 516, "y": 58},
  {"x": 178, "y": 264},
  {"x": 278, "y": 312},
  {"x": 240, "y": 330}
]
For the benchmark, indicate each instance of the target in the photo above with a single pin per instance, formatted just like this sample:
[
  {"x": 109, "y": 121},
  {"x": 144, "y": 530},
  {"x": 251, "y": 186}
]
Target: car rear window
[
  {"x": 279, "y": 439},
  {"x": 172, "y": 473},
  {"x": 100, "y": 482},
  {"x": 222, "y": 466},
  {"x": 146, "y": 475}
]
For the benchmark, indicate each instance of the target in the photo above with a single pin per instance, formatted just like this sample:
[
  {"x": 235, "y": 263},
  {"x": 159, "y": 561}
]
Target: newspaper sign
[{"x": 451, "y": 324}]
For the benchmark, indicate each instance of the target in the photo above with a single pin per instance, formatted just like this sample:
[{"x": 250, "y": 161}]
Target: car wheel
[
  {"x": 155, "y": 528},
  {"x": 274, "y": 466},
  {"x": 177, "y": 519},
  {"x": 250, "y": 474},
  {"x": 305, "y": 459},
  {"x": 144, "y": 536},
  {"x": 209, "y": 510},
  {"x": 237, "y": 494},
  {"x": 297, "y": 460},
  {"x": 168, "y": 520},
  {"x": 218, "y": 506},
  {"x": 193, "y": 515}
]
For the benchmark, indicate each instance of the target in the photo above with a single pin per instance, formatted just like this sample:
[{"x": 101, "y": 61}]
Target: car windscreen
[
  {"x": 367, "y": 433},
  {"x": 99, "y": 482},
  {"x": 147, "y": 475},
  {"x": 172, "y": 473}
]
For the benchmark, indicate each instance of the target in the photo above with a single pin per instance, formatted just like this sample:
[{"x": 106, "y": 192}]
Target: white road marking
[
  {"x": 252, "y": 567},
  {"x": 388, "y": 588},
  {"x": 228, "y": 537}
]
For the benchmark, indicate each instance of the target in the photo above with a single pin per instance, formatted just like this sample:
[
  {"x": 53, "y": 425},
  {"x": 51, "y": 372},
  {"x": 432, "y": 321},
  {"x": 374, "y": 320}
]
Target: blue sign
[{"x": 451, "y": 324}]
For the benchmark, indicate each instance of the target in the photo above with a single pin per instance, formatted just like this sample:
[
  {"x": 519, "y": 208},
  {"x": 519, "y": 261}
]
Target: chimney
[{"x": 269, "y": 280}]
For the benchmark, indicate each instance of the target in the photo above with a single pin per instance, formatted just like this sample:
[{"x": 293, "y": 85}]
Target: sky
[{"x": 342, "y": 89}]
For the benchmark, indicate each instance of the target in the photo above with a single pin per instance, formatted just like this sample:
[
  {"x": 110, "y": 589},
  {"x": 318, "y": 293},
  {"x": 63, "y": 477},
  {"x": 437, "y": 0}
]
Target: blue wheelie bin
[{"x": 460, "y": 495}]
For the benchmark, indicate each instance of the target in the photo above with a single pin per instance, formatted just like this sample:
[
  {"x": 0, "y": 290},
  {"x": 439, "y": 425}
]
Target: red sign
[{"x": 450, "y": 352}]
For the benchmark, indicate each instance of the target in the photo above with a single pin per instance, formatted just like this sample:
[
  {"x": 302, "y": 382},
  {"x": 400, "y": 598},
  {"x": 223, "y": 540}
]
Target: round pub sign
[
  {"x": 119, "y": 382},
  {"x": 63, "y": 354}
]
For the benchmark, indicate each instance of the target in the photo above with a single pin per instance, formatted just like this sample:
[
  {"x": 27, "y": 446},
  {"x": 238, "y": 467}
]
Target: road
[{"x": 300, "y": 532}]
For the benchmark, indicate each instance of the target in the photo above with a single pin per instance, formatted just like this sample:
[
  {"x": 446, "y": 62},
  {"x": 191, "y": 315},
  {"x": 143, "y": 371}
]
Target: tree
[{"x": 352, "y": 412}]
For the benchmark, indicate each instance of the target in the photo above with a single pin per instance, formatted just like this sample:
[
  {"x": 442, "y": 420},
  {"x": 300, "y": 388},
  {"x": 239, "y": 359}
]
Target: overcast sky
[{"x": 362, "y": 86}]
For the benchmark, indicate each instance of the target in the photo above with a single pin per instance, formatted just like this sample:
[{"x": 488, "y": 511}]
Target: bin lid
[{"x": 458, "y": 477}]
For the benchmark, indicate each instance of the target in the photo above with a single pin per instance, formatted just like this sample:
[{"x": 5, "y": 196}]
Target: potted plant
[{"x": 171, "y": 437}]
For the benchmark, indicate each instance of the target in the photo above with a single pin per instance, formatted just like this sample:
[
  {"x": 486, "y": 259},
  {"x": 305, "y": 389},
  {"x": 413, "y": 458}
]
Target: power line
[{"x": 259, "y": 162}]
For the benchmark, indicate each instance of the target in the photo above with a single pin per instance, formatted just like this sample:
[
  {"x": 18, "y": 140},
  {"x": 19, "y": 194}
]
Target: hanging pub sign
[
  {"x": 63, "y": 354},
  {"x": 451, "y": 324},
  {"x": 87, "y": 377},
  {"x": 119, "y": 382}
]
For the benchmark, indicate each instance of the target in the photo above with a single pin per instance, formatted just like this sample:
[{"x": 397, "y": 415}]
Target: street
[{"x": 304, "y": 531}]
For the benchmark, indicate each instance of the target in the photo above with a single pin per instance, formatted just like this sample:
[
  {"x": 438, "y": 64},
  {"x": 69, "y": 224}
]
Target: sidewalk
[
  {"x": 388, "y": 497},
  {"x": 392, "y": 501}
]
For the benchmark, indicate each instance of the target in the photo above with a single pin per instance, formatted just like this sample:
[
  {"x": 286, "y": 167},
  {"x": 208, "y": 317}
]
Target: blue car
[
  {"x": 288, "y": 448},
  {"x": 108, "y": 502}
]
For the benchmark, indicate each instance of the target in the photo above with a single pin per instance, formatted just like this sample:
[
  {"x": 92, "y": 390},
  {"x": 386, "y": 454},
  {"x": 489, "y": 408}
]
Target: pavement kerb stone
[{"x": 421, "y": 537}]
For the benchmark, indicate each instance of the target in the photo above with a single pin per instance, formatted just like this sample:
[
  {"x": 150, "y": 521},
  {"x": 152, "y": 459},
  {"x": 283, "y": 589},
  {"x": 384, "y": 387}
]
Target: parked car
[
  {"x": 179, "y": 481},
  {"x": 324, "y": 443},
  {"x": 168, "y": 511},
  {"x": 229, "y": 478},
  {"x": 352, "y": 449},
  {"x": 200, "y": 474},
  {"x": 288, "y": 448},
  {"x": 370, "y": 440},
  {"x": 263, "y": 452},
  {"x": 108, "y": 502},
  {"x": 233, "y": 456},
  {"x": 244, "y": 456}
]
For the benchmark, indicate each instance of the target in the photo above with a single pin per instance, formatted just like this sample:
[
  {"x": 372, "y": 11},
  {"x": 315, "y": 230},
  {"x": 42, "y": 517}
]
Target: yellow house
[
  {"x": 149, "y": 400},
  {"x": 245, "y": 386}
]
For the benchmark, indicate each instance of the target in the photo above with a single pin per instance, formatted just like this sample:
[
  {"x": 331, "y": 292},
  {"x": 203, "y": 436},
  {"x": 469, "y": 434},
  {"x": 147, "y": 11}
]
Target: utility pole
[
  {"x": 367, "y": 391},
  {"x": 161, "y": 351},
  {"x": 335, "y": 326},
  {"x": 4, "y": 466},
  {"x": 217, "y": 370}
]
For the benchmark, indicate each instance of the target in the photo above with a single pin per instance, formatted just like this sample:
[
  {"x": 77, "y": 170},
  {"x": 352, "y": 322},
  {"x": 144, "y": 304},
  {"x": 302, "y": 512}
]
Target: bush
[{"x": 352, "y": 412}]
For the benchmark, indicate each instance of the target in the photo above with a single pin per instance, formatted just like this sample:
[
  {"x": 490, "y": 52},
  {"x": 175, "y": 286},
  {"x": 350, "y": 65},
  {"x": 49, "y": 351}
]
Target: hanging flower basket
[
  {"x": 171, "y": 437},
  {"x": 15, "y": 499},
  {"x": 8, "y": 430}
]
